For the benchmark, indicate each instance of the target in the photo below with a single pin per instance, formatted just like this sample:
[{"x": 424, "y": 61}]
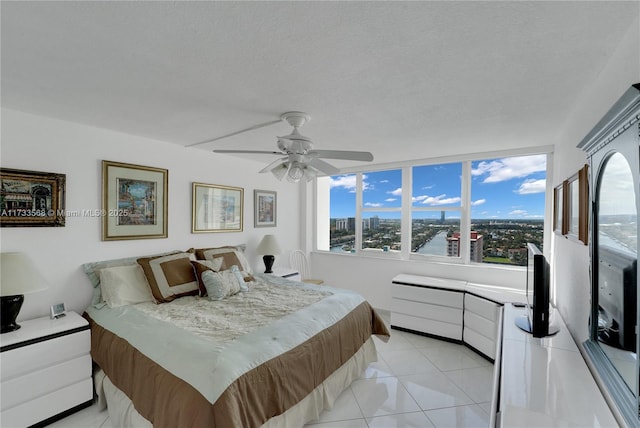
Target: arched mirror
[
  {"x": 617, "y": 255},
  {"x": 613, "y": 149}
]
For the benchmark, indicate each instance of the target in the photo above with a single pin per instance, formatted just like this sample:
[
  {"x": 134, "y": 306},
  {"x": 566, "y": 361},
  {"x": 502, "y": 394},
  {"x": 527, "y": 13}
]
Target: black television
[
  {"x": 617, "y": 296},
  {"x": 537, "y": 319}
]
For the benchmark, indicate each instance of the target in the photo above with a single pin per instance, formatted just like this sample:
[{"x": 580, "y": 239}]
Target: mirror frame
[{"x": 617, "y": 131}]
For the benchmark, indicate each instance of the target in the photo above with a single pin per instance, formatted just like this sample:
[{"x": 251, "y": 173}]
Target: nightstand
[
  {"x": 288, "y": 273},
  {"x": 45, "y": 370}
]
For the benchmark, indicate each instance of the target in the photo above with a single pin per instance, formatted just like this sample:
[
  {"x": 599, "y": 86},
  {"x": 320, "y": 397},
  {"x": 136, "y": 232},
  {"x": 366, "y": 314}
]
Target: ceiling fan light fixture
[
  {"x": 280, "y": 171},
  {"x": 296, "y": 172}
]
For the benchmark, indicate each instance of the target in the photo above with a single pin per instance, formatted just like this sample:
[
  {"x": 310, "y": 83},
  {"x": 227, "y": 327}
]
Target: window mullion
[
  {"x": 359, "y": 191},
  {"x": 465, "y": 213},
  {"x": 405, "y": 225}
]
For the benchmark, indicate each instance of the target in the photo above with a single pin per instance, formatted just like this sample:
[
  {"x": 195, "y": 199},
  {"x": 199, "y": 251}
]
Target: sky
[{"x": 504, "y": 188}]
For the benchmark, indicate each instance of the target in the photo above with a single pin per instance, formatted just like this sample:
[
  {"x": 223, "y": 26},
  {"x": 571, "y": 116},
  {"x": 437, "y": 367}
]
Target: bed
[{"x": 277, "y": 353}]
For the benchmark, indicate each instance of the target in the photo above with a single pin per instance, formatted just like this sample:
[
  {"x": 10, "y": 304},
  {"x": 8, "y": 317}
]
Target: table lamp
[
  {"x": 268, "y": 246},
  {"x": 18, "y": 276}
]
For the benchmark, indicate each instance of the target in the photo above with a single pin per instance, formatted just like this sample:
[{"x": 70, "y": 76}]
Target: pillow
[
  {"x": 240, "y": 277},
  {"x": 124, "y": 285},
  {"x": 220, "y": 285},
  {"x": 230, "y": 256},
  {"x": 93, "y": 269},
  {"x": 170, "y": 276},
  {"x": 202, "y": 266}
]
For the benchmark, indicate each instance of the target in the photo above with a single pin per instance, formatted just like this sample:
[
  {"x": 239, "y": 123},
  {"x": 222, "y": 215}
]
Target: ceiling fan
[{"x": 298, "y": 157}]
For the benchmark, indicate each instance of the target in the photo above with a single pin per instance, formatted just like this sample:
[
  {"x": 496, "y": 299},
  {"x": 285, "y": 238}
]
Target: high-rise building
[
  {"x": 453, "y": 246},
  {"x": 351, "y": 223},
  {"x": 374, "y": 222},
  {"x": 341, "y": 224}
]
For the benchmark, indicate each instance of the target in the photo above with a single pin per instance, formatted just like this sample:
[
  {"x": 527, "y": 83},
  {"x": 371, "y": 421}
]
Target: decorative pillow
[
  {"x": 170, "y": 276},
  {"x": 202, "y": 266},
  {"x": 124, "y": 285},
  {"x": 220, "y": 285},
  {"x": 93, "y": 269},
  {"x": 230, "y": 256},
  {"x": 240, "y": 277}
]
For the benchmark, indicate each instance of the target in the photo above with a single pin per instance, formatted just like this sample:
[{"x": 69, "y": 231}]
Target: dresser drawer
[
  {"x": 480, "y": 342},
  {"x": 18, "y": 390},
  {"x": 485, "y": 308},
  {"x": 19, "y": 361},
  {"x": 436, "y": 328},
  {"x": 428, "y": 295},
  {"x": 480, "y": 325},
  {"x": 428, "y": 311}
]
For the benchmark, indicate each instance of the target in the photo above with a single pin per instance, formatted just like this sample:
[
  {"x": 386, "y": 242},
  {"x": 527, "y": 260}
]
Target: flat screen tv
[{"x": 537, "y": 318}]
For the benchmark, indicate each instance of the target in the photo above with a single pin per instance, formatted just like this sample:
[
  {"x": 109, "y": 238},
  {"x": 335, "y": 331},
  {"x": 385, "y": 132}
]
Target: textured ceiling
[{"x": 403, "y": 80}]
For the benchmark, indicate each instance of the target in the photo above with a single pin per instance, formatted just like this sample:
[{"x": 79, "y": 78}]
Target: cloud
[
  {"x": 384, "y": 181},
  {"x": 518, "y": 212},
  {"x": 532, "y": 186},
  {"x": 436, "y": 200},
  {"x": 478, "y": 202},
  {"x": 348, "y": 182},
  {"x": 397, "y": 192},
  {"x": 507, "y": 168},
  {"x": 390, "y": 200},
  {"x": 373, "y": 204}
]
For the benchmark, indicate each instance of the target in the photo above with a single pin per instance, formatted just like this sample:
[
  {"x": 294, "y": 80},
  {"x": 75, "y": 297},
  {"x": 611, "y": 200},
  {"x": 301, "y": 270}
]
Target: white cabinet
[
  {"x": 418, "y": 306},
  {"x": 481, "y": 324},
  {"x": 45, "y": 370}
]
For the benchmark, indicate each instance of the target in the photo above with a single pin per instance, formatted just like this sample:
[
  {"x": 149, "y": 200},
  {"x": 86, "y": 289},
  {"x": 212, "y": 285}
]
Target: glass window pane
[
  {"x": 434, "y": 233},
  {"x": 508, "y": 205},
  {"x": 381, "y": 231},
  {"x": 382, "y": 189},
  {"x": 342, "y": 211},
  {"x": 437, "y": 185}
]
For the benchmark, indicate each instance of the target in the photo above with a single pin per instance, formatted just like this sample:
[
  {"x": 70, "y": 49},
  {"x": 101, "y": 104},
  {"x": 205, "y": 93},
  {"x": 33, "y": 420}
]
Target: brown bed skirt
[{"x": 258, "y": 395}]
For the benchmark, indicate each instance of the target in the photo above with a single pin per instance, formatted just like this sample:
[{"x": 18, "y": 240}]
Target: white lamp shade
[
  {"x": 18, "y": 275},
  {"x": 268, "y": 246}
]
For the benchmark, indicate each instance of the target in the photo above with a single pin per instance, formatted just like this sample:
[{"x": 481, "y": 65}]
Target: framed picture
[
  {"x": 134, "y": 201},
  {"x": 578, "y": 205},
  {"x": 31, "y": 198},
  {"x": 265, "y": 208},
  {"x": 216, "y": 208}
]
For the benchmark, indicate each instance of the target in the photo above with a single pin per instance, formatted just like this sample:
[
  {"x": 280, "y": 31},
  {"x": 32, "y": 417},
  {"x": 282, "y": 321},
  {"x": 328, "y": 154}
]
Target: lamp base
[
  {"x": 9, "y": 309},
  {"x": 268, "y": 263}
]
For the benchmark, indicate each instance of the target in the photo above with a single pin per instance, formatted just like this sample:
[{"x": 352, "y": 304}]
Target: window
[
  {"x": 473, "y": 211},
  {"x": 508, "y": 207},
  {"x": 435, "y": 209}
]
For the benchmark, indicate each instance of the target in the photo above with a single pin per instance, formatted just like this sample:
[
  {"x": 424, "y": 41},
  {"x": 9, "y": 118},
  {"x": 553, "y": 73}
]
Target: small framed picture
[
  {"x": 58, "y": 311},
  {"x": 265, "y": 208}
]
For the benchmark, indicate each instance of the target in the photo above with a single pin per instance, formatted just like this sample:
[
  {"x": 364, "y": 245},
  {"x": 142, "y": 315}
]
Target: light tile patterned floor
[{"x": 417, "y": 382}]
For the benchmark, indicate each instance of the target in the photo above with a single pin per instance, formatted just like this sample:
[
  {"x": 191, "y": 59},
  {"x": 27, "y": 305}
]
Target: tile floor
[{"x": 416, "y": 382}]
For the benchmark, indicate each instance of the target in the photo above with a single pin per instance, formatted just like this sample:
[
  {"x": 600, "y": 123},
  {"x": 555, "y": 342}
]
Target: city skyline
[{"x": 502, "y": 188}]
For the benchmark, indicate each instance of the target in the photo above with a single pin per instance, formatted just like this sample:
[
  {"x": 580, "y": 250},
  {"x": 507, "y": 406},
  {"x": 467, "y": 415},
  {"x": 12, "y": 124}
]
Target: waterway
[{"x": 437, "y": 246}]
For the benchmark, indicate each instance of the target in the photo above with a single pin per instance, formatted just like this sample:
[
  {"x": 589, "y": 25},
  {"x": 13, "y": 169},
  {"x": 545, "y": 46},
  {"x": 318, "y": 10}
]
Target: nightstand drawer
[
  {"x": 37, "y": 356},
  {"x": 41, "y": 382},
  {"x": 43, "y": 407}
]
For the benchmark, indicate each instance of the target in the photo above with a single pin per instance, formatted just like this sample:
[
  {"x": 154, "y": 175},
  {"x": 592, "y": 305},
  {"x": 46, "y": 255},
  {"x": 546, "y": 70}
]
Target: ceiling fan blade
[
  {"x": 273, "y": 164},
  {"x": 260, "y": 152},
  {"x": 251, "y": 128},
  {"x": 342, "y": 154},
  {"x": 323, "y": 166}
]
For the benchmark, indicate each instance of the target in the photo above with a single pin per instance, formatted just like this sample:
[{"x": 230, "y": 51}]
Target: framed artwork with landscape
[
  {"x": 216, "y": 208},
  {"x": 134, "y": 201},
  {"x": 31, "y": 198},
  {"x": 265, "y": 208}
]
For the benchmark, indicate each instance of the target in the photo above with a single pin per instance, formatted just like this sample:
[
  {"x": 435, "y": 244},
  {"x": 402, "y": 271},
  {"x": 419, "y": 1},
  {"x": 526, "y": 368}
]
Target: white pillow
[{"x": 124, "y": 285}]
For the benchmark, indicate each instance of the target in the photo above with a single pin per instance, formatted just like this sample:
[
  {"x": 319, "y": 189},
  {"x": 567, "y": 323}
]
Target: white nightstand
[
  {"x": 288, "y": 273},
  {"x": 45, "y": 370}
]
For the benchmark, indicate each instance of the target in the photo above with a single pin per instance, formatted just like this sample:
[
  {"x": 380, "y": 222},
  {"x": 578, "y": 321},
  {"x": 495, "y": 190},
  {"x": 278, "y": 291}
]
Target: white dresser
[
  {"x": 451, "y": 309},
  {"x": 45, "y": 370}
]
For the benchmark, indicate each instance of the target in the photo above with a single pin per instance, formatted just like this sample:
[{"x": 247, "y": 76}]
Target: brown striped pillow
[
  {"x": 230, "y": 256},
  {"x": 202, "y": 266},
  {"x": 170, "y": 276}
]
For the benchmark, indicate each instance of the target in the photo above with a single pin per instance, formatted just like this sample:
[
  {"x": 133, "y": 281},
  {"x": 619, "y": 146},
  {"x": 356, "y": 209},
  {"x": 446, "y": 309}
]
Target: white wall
[
  {"x": 571, "y": 261},
  {"x": 43, "y": 144}
]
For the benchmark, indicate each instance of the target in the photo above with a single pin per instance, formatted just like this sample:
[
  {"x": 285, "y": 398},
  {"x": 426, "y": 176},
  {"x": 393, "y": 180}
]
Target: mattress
[{"x": 237, "y": 362}]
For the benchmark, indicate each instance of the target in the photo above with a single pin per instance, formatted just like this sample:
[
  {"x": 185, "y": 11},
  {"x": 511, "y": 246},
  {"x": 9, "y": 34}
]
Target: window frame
[{"x": 465, "y": 207}]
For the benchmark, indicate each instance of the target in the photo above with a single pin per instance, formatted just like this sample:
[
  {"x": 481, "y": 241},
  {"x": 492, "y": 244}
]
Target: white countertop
[
  {"x": 545, "y": 381},
  {"x": 41, "y": 327}
]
